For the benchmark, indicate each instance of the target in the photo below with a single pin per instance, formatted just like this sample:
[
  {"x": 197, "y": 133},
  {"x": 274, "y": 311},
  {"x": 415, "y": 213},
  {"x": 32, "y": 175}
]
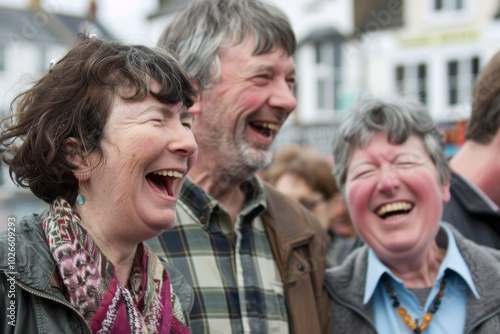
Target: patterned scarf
[{"x": 90, "y": 283}]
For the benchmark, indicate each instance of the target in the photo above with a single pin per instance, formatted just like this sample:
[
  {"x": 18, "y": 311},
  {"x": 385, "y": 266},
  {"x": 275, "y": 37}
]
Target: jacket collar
[
  {"x": 469, "y": 197},
  {"x": 202, "y": 205},
  {"x": 288, "y": 231},
  {"x": 278, "y": 205}
]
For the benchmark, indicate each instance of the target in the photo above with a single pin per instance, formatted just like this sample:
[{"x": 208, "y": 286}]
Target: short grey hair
[
  {"x": 204, "y": 26},
  {"x": 399, "y": 118}
]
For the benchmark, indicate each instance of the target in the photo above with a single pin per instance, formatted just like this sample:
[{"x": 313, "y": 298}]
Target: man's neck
[
  {"x": 221, "y": 186},
  {"x": 479, "y": 164}
]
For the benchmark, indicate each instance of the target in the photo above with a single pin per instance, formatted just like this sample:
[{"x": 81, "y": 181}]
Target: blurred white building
[
  {"x": 29, "y": 38},
  {"x": 430, "y": 50}
]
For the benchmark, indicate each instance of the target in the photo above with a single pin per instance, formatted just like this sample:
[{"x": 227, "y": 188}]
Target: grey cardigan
[{"x": 346, "y": 283}]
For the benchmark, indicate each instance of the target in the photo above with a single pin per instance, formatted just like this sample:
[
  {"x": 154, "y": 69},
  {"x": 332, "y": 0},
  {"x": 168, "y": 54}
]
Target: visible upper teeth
[
  {"x": 171, "y": 173},
  {"x": 270, "y": 126},
  {"x": 398, "y": 206}
]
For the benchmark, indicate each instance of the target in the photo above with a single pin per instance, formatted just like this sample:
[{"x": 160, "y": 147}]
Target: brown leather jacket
[{"x": 299, "y": 245}]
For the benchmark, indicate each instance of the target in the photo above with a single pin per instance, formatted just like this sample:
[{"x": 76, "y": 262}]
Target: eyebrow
[
  {"x": 360, "y": 164},
  {"x": 169, "y": 112},
  {"x": 270, "y": 68},
  {"x": 166, "y": 111}
]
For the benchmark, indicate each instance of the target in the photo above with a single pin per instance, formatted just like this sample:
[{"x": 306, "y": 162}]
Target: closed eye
[
  {"x": 262, "y": 79},
  {"x": 405, "y": 161},
  {"x": 187, "y": 119},
  {"x": 405, "y": 164},
  {"x": 362, "y": 171},
  {"x": 157, "y": 120},
  {"x": 363, "y": 174}
]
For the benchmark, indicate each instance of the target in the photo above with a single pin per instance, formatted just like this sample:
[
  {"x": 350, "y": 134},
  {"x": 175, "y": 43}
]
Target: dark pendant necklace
[{"x": 428, "y": 316}]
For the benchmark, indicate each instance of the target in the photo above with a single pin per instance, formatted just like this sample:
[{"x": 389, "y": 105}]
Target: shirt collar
[
  {"x": 453, "y": 260},
  {"x": 202, "y": 204}
]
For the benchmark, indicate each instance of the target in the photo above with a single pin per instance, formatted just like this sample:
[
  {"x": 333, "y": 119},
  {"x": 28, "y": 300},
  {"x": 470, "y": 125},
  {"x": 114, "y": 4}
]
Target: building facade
[
  {"x": 29, "y": 39},
  {"x": 430, "y": 50}
]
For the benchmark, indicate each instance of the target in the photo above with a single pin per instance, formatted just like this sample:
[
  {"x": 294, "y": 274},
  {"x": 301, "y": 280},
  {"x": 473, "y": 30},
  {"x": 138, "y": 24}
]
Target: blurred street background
[{"x": 430, "y": 50}]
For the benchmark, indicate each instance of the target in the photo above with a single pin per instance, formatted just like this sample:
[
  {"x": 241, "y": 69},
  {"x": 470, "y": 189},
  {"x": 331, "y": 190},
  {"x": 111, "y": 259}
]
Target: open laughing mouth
[
  {"x": 163, "y": 181},
  {"x": 394, "y": 210},
  {"x": 265, "y": 128}
]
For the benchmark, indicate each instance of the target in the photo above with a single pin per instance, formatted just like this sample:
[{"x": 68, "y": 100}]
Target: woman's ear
[{"x": 79, "y": 158}]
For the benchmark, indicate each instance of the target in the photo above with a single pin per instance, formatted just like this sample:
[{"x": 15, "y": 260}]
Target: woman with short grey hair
[{"x": 415, "y": 272}]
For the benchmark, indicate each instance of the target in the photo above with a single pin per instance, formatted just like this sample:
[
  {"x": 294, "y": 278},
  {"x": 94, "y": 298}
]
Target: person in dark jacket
[
  {"x": 475, "y": 187},
  {"x": 104, "y": 137},
  {"x": 415, "y": 273}
]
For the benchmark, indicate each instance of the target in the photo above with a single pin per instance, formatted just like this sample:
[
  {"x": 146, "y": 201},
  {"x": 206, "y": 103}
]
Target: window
[
  {"x": 411, "y": 81},
  {"x": 448, "y": 5},
  {"x": 328, "y": 75},
  {"x": 461, "y": 75}
]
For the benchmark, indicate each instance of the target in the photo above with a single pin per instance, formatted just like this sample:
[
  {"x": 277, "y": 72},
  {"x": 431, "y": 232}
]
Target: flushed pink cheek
[
  {"x": 358, "y": 200},
  {"x": 252, "y": 98}
]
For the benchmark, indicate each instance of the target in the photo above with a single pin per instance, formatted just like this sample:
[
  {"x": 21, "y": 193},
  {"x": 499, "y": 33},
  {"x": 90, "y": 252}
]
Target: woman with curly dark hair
[{"x": 105, "y": 139}]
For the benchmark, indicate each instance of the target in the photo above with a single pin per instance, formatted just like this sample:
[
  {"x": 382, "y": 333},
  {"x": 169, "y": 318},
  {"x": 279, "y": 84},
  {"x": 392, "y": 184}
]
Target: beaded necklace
[{"x": 428, "y": 316}]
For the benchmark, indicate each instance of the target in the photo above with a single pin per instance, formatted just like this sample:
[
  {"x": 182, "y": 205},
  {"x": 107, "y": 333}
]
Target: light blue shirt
[{"x": 449, "y": 318}]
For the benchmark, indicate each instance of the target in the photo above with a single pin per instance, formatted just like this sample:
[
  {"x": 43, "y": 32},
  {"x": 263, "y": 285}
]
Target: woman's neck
[
  {"x": 120, "y": 253},
  {"x": 419, "y": 273}
]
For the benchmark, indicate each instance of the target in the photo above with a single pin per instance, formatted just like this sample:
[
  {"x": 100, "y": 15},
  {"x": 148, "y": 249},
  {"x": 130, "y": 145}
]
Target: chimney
[
  {"x": 92, "y": 10},
  {"x": 34, "y": 4}
]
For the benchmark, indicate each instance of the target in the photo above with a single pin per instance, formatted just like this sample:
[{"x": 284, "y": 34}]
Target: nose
[
  {"x": 282, "y": 97},
  {"x": 184, "y": 143},
  {"x": 388, "y": 181}
]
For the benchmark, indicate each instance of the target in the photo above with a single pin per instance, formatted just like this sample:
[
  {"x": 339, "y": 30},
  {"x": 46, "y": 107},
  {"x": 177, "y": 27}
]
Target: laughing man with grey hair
[{"x": 255, "y": 258}]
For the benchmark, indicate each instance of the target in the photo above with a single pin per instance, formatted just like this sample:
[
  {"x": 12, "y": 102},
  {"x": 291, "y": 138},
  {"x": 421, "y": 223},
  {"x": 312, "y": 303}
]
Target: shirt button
[{"x": 301, "y": 267}]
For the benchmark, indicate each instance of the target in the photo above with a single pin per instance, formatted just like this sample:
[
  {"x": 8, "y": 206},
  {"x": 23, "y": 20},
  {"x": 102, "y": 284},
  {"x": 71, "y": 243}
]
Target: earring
[
  {"x": 51, "y": 65},
  {"x": 80, "y": 200}
]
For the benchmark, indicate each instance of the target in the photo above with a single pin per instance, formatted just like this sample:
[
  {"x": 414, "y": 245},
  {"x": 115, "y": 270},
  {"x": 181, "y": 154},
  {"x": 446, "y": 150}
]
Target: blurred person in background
[
  {"x": 304, "y": 175},
  {"x": 475, "y": 186},
  {"x": 415, "y": 273},
  {"x": 105, "y": 139},
  {"x": 255, "y": 259}
]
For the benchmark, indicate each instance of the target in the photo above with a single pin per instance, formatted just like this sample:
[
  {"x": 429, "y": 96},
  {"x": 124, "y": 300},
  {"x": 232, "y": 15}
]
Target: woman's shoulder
[
  {"x": 18, "y": 240},
  {"x": 20, "y": 227},
  {"x": 473, "y": 250},
  {"x": 352, "y": 269}
]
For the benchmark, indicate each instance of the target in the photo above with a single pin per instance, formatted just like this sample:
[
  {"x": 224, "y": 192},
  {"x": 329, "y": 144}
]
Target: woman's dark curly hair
[{"x": 73, "y": 100}]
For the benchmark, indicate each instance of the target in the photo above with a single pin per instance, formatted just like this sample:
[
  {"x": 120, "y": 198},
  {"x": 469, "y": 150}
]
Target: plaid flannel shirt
[{"x": 236, "y": 283}]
